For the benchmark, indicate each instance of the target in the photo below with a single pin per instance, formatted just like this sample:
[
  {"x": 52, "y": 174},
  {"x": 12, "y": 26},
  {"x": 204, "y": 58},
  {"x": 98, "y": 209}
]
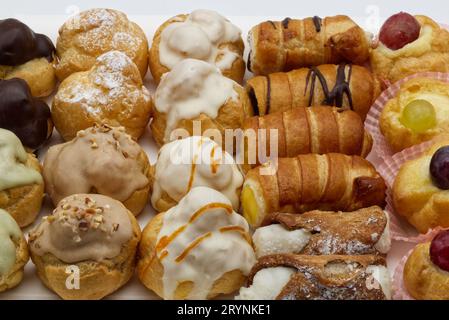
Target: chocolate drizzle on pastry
[
  {"x": 335, "y": 96},
  {"x": 285, "y": 22},
  {"x": 23, "y": 114},
  {"x": 272, "y": 23},
  {"x": 317, "y": 22},
  {"x": 19, "y": 44}
]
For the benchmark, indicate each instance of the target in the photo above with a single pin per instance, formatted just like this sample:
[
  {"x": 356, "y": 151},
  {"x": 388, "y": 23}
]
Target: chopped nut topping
[
  {"x": 77, "y": 238},
  {"x": 83, "y": 225},
  {"x": 115, "y": 227}
]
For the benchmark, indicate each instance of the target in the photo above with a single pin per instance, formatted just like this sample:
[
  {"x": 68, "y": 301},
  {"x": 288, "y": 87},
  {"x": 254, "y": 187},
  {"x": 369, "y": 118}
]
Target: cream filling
[
  {"x": 383, "y": 245},
  {"x": 382, "y": 276}
]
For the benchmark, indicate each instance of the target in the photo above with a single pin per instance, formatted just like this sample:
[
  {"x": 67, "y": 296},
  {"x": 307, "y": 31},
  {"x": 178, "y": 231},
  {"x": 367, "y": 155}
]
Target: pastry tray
[{"x": 31, "y": 287}]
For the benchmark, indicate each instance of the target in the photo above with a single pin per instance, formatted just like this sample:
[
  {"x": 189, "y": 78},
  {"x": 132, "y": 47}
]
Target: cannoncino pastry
[
  {"x": 344, "y": 86},
  {"x": 27, "y": 117},
  {"x": 103, "y": 160},
  {"x": 21, "y": 183},
  {"x": 13, "y": 252},
  {"x": 426, "y": 271},
  {"x": 111, "y": 92},
  {"x": 191, "y": 162},
  {"x": 420, "y": 190},
  {"x": 416, "y": 114},
  {"x": 307, "y": 182},
  {"x": 424, "y": 47},
  {"x": 204, "y": 35},
  {"x": 364, "y": 231},
  {"x": 304, "y": 130},
  {"x": 292, "y": 43},
  {"x": 28, "y": 56},
  {"x": 332, "y": 277},
  {"x": 91, "y": 33},
  {"x": 198, "y": 249},
  {"x": 195, "y": 97},
  {"x": 95, "y": 234}
]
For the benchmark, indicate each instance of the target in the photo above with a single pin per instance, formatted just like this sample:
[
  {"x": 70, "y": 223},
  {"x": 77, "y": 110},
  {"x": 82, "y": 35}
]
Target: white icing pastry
[
  {"x": 276, "y": 239},
  {"x": 196, "y": 161},
  {"x": 192, "y": 88},
  {"x": 9, "y": 232},
  {"x": 13, "y": 157},
  {"x": 201, "y": 36},
  {"x": 267, "y": 284},
  {"x": 382, "y": 276},
  {"x": 201, "y": 239}
]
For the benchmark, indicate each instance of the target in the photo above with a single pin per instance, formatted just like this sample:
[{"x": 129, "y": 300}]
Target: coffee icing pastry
[
  {"x": 196, "y": 91},
  {"x": 91, "y": 33},
  {"x": 198, "y": 249},
  {"x": 203, "y": 35},
  {"x": 103, "y": 160},
  {"x": 21, "y": 113},
  {"x": 111, "y": 92},
  {"x": 192, "y": 162},
  {"x": 325, "y": 277},
  {"x": 13, "y": 252},
  {"x": 21, "y": 183},
  {"x": 93, "y": 232},
  {"x": 26, "y": 55},
  {"x": 364, "y": 231}
]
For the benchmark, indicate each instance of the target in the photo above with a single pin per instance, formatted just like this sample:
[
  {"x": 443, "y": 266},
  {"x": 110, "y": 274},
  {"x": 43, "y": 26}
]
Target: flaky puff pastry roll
[
  {"x": 333, "y": 277},
  {"x": 293, "y": 43},
  {"x": 344, "y": 86},
  {"x": 326, "y": 182}
]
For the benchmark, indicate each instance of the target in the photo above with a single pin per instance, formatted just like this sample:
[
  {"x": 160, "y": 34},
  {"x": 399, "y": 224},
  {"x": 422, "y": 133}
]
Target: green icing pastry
[{"x": 9, "y": 231}]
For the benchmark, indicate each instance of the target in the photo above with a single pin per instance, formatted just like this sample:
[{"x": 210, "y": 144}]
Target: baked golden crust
[
  {"x": 434, "y": 91},
  {"x": 430, "y": 52},
  {"x": 94, "y": 32},
  {"x": 24, "y": 203},
  {"x": 97, "y": 279},
  {"x": 236, "y": 72},
  {"x": 422, "y": 278},
  {"x": 15, "y": 276}
]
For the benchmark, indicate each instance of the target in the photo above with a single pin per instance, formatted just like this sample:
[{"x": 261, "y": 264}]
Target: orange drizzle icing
[
  {"x": 210, "y": 206},
  {"x": 238, "y": 229},
  {"x": 191, "y": 246},
  {"x": 166, "y": 240},
  {"x": 214, "y": 164},
  {"x": 192, "y": 173}
]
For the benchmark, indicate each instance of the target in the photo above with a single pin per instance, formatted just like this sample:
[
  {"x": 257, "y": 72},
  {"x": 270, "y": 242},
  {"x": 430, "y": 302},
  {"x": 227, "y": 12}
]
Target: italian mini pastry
[
  {"x": 420, "y": 190},
  {"x": 192, "y": 162},
  {"x": 28, "y": 56},
  {"x": 195, "y": 93},
  {"x": 364, "y": 231},
  {"x": 344, "y": 86},
  {"x": 92, "y": 232},
  {"x": 410, "y": 44},
  {"x": 426, "y": 271},
  {"x": 111, "y": 92},
  {"x": 291, "y": 44},
  {"x": 332, "y": 277},
  {"x": 416, "y": 114},
  {"x": 198, "y": 249},
  {"x": 103, "y": 160},
  {"x": 91, "y": 33},
  {"x": 21, "y": 183},
  {"x": 13, "y": 252},
  {"x": 307, "y": 182},
  {"x": 204, "y": 35},
  {"x": 27, "y": 117},
  {"x": 305, "y": 130}
]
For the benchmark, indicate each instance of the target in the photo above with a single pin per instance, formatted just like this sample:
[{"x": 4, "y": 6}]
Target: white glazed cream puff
[
  {"x": 192, "y": 162},
  {"x": 93, "y": 233},
  {"x": 103, "y": 160},
  {"x": 203, "y": 35},
  {"x": 13, "y": 252},
  {"x": 198, "y": 249}
]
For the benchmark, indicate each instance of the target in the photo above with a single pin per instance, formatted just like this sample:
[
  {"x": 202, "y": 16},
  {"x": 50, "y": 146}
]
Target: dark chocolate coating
[
  {"x": 23, "y": 114},
  {"x": 19, "y": 44}
]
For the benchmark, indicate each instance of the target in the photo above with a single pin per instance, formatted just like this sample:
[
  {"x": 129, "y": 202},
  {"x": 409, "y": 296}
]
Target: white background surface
[{"x": 47, "y": 16}]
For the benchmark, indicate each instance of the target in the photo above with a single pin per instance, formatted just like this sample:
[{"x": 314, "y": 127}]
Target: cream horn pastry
[
  {"x": 292, "y": 43},
  {"x": 198, "y": 249},
  {"x": 191, "y": 162},
  {"x": 305, "y": 130},
  {"x": 202, "y": 34},
  {"x": 103, "y": 160},
  {"x": 331, "y": 277},
  {"x": 193, "y": 93},
  {"x": 364, "y": 231},
  {"x": 344, "y": 86},
  {"x": 307, "y": 182}
]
